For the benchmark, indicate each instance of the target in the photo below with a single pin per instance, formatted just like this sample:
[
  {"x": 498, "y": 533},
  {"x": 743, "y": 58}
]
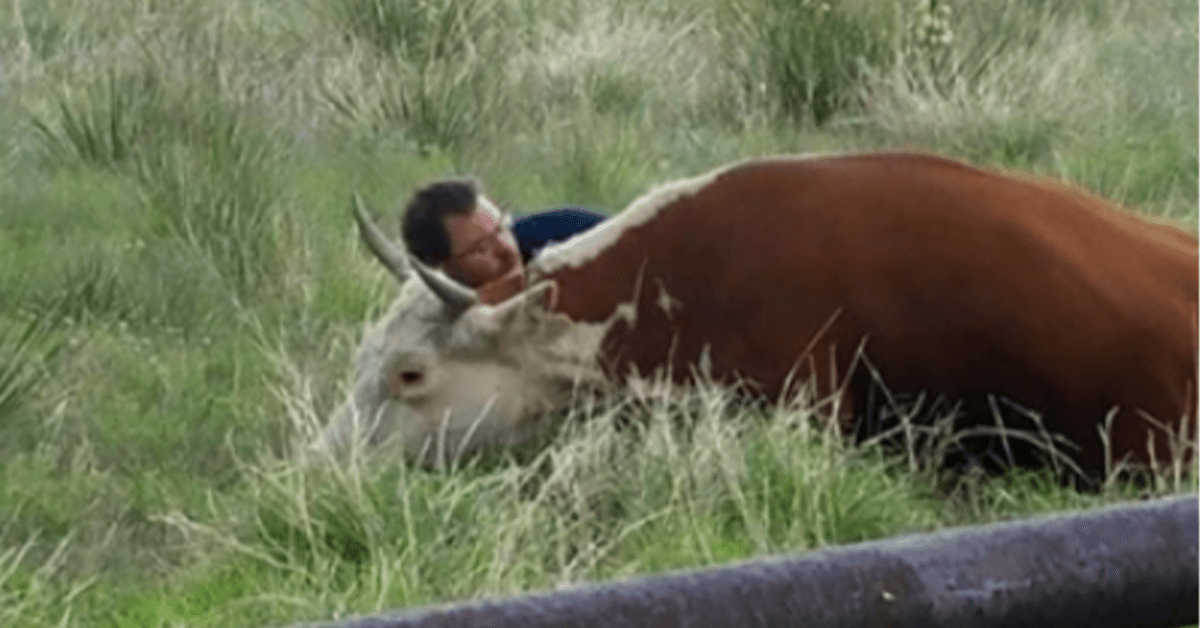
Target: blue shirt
[{"x": 535, "y": 231}]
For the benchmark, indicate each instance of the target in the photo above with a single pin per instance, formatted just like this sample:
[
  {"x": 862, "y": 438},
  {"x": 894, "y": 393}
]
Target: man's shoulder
[
  {"x": 553, "y": 225},
  {"x": 565, "y": 217}
]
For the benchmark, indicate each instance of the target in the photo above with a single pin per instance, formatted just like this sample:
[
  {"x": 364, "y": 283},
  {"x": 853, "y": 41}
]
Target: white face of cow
[{"x": 444, "y": 377}]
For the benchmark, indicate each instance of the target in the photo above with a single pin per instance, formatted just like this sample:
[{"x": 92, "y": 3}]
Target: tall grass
[
  {"x": 440, "y": 67},
  {"x": 806, "y": 57},
  {"x": 28, "y": 346},
  {"x": 203, "y": 176},
  {"x": 181, "y": 287},
  {"x": 425, "y": 30},
  {"x": 622, "y": 488}
]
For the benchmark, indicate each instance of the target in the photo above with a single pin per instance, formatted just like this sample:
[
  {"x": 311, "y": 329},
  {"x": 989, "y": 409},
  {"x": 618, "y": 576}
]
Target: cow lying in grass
[{"x": 1006, "y": 296}]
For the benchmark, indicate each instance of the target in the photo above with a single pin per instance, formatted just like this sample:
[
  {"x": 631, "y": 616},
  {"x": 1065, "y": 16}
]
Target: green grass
[{"x": 182, "y": 288}]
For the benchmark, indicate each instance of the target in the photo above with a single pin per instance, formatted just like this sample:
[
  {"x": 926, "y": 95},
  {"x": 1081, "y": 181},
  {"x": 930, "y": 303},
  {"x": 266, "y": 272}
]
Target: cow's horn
[
  {"x": 391, "y": 256},
  {"x": 456, "y": 296}
]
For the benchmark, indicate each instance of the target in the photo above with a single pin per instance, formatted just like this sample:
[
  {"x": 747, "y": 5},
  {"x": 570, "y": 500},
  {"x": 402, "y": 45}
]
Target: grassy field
[{"x": 181, "y": 288}]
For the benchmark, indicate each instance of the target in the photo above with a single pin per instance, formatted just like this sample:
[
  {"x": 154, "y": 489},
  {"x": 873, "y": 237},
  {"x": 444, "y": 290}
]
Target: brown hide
[{"x": 962, "y": 282}]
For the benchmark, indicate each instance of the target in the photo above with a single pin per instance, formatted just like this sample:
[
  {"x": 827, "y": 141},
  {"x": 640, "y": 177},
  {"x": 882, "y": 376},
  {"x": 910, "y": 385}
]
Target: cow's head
[{"x": 444, "y": 374}]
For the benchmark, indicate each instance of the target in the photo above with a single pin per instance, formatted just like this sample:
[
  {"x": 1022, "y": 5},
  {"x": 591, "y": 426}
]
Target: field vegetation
[{"x": 181, "y": 288}]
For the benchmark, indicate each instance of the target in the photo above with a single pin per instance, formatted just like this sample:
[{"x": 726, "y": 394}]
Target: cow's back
[{"x": 961, "y": 282}]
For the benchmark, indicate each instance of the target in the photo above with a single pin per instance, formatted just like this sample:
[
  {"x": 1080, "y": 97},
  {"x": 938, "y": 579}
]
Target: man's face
[{"x": 482, "y": 249}]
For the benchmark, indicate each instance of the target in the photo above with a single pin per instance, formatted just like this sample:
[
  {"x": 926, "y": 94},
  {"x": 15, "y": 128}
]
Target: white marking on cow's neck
[
  {"x": 575, "y": 357},
  {"x": 584, "y": 247},
  {"x": 665, "y": 301},
  {"x": 627, "y": 310}
]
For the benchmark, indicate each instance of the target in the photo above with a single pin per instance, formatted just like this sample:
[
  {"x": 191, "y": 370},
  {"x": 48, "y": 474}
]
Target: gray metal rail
[{"x": 1134, "y": 565}]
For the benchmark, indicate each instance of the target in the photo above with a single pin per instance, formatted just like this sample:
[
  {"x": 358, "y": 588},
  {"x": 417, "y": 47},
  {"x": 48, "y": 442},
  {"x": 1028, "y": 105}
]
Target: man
[{"x": 450, "y": 225}]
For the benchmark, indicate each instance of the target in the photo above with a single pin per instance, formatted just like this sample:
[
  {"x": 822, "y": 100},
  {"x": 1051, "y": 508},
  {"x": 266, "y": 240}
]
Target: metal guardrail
[{"x": 1133, "y": 565}]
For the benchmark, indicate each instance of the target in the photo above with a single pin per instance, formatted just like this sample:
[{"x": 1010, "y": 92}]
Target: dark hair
[{"x": 423, "y": 224}]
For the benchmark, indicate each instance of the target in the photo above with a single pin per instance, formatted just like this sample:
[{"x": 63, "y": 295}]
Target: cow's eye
[{"x": 405, "y": 381}]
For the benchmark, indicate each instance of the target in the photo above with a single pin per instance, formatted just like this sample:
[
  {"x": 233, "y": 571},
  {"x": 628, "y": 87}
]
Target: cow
[{"x": 845, "y": 272}]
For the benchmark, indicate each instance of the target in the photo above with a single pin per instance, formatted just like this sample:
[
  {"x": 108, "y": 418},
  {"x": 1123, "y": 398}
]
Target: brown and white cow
[{"x": 954, "y": 281}]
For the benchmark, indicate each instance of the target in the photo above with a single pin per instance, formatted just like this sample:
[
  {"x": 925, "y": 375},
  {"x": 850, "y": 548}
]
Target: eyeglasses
[{"x": 485, "y": 242}]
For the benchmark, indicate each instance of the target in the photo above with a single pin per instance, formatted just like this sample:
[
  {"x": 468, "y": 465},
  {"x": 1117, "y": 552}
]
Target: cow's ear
[
  {"x": 547, "y": 295},
  {"x": 527, "y": 307},
  {"x": 525, "y": 316}
]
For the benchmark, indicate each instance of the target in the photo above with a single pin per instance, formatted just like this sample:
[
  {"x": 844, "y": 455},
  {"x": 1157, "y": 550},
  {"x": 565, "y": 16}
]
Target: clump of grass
[
  {"x": 441, "y": 105},
  {"x": 1015, "y": 81},
  {"x": 1009, "y": 85},
  {"x": 28, "y": 596},
  {"x": 437, "y": 72},
  {"x": 204, "y": 159},
  {"x": 204, "y": 175},
  {"x": 806, "y": 57},
  {"x": 598, "y": 157},
  {"x": 620, "y": 487},
  {"x": 145, "y": 286},
  {"x": 36, "y": 33},
  {"x": 105, "y": 124},
  {"x": 423, "y": 31},
  {"x": 219, "y": 198},
  {"x": 1137, "y": 149},
  {"x": 517, "y": 77},
  {"x": 28, "y": 346}
]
